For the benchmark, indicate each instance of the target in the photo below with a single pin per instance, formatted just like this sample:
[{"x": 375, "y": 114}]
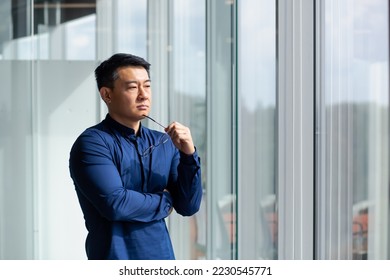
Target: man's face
[{"x": 131, "y": 96}]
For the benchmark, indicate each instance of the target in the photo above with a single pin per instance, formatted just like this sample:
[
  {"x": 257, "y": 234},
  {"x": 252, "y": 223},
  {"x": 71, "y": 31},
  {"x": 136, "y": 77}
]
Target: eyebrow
[{"x": 136, "y": 82}]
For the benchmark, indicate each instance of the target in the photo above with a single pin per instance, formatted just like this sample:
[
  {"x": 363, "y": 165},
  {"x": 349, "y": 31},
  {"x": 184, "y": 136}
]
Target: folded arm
[{"x": 97, "y": 178}]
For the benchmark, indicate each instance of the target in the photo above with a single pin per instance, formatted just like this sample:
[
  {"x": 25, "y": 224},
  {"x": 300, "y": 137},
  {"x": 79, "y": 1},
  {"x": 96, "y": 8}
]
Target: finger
[
  {"x": 180, "y": 134},
  {"x": 181, "y": 137},
  {"x": 175, "y": 129}
]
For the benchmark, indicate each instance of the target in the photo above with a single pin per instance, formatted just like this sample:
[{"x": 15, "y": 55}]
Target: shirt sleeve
[
  {"x": 185, "y": 183},
  {"x": 97, "y": 178}
]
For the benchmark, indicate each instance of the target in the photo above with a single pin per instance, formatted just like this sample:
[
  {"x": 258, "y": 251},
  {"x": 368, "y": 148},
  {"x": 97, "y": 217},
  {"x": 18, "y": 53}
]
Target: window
[
  {"x": 256, "y": 133},
  {"x": 288, "y": 104},
  {"x": 353, "y": 130}
]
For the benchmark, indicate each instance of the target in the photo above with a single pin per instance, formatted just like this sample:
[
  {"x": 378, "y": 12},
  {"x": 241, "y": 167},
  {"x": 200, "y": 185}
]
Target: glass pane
[
  {"x": 131, "y": 27},
  {"x": 65, "y": 46},
  {"x": 66, "y": 108},
  {"x": 66, "y": 103},
  {"x": 353, "y": 131},
  {"x": 65, "y": 29},
  {"x": 187, "y": 104},
  {"x": 221, "y": 169},
  {"x": 61, "y": 30},
  {"x": 16, "y": 171},
  {"x": 257, "y": 129},
  {"x": 47, "y": 112},
  {"x": 16, "y": 136}
]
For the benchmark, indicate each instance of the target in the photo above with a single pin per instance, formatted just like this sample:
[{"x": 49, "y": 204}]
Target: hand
[
  {"x": 170, "y": 210},
  {"x": 181, "y": 137}
]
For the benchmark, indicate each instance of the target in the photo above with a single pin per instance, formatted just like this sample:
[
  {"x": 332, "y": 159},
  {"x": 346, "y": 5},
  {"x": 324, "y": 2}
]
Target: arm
[
  {"x": 97, "y": 178},
  {"x": 185, "y": 183}
]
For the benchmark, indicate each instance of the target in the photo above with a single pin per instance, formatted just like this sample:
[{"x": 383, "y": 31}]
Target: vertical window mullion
[{"x": 295, "y": 129}]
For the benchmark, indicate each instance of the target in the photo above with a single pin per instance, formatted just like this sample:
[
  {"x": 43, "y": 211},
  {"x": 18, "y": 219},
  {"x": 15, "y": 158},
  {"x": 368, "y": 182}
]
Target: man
[{"x": 127, "y": 177}]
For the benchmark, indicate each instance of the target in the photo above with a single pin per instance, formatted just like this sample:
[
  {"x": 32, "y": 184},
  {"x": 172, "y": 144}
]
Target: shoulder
[
  {"x": 94, "y": 133},
  {"x": 97, "y": 137}
]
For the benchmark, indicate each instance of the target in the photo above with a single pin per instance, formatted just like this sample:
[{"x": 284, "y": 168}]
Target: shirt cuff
[{"x": 189, "y": 159}]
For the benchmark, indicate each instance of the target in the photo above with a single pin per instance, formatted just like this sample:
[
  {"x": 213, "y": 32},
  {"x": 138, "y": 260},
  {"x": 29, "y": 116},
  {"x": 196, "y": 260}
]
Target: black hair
[{"x": 106, "y": 73}]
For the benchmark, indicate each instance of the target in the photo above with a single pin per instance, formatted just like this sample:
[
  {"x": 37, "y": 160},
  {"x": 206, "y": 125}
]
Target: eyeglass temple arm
[{"x": 154, "y": 121}]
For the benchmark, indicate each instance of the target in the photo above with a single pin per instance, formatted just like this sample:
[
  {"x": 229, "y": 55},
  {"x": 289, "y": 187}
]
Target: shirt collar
[{"x": 123, "y": 130}]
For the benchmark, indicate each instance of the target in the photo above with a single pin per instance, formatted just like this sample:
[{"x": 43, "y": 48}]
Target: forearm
[
  {"x": 187, "y": 190},
  {"x": 131, "y": 206},
  {"x": 97, "y": 179}
]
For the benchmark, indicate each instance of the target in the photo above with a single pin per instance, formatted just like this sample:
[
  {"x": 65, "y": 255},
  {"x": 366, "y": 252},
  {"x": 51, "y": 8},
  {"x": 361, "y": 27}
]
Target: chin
[{"x": 143, "y": 114}]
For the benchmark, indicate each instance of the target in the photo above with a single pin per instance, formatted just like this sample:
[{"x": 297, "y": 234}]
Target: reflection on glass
[
  {"x": 257, "y": 122},
  {"x": 221, "y": 189},
  {"x": 54, "y": 30},
  {"x": 187, "y": 103},
  {"x": 131, "y": 26},
  {"x": 353, "y": 125}
]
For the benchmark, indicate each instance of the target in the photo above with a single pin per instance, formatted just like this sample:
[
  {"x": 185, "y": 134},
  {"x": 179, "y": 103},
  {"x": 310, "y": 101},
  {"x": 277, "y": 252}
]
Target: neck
[{"x": 126, "y": 122}]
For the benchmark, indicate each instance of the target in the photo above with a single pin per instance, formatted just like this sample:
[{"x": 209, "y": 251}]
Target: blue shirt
[{"x": 121, "y": 192}]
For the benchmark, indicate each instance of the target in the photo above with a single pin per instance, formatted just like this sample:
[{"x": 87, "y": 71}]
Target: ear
[{"x": 105, "y": 94}]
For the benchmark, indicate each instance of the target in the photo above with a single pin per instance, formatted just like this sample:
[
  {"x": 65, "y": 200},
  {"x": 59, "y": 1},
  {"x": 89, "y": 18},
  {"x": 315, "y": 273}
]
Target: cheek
[
  {"x": 128, "y": 100},
  {"x": 123, "y": 104}
]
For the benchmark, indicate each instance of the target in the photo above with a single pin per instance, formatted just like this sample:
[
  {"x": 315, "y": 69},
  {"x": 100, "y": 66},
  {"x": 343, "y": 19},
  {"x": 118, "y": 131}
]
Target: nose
[{"x": 142, "y": 93}]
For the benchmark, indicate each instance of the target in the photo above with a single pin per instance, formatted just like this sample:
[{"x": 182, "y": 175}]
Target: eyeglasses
[{"x": 163, "y": 139}]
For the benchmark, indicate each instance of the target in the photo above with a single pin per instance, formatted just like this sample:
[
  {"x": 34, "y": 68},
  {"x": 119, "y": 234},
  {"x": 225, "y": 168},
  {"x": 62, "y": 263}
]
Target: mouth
[{"x": 142, "y": 107}]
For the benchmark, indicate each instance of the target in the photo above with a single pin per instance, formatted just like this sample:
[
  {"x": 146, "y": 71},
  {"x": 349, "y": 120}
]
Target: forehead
[{"x": 137, "y": 73}]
